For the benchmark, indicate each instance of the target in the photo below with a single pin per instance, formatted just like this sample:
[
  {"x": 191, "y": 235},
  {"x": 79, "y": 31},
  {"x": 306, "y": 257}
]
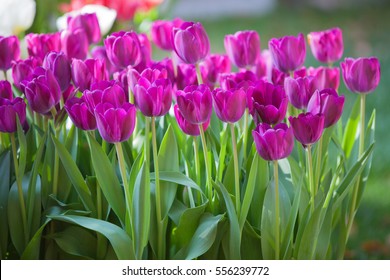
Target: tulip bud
[
  {"x": 84, "y": 73},
  {"x": 75, "y": 43},
  {"x": 80, "y": 114},
  {"x": 212, "y": 67},
  {"x": 38, "y": 45},
  {"x": 327, "y": 46},
  {"x": 299, "y": 90},
  {"x": 161, "y": 33},
  {"x": 325, "y": 77},
  {"x": 6, "y": 90},
  {"x": 59, "y": 64},
  {"x": 89, "y": 23},
  {"x": 229, "y": 105},
  {"x": 9, "y": 51},
  {"x": 307, "y": 127},
  {"x": 9, "y": 110},
  {"x": 187, "y": 127},
  {"x": 23, "y": 70}
]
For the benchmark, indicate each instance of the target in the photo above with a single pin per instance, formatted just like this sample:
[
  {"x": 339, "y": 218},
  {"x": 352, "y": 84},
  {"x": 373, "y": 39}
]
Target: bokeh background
[{"x": 366, "y": 31}]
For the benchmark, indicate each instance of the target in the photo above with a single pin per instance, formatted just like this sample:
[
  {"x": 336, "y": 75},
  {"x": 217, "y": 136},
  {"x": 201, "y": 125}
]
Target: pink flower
[{"x": 327, "y": 46}]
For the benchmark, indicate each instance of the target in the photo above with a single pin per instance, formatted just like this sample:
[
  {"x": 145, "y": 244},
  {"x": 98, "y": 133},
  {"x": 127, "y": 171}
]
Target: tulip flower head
[
  {"x": 80, "y": 114},
  {"x": 229, "y": 105},
  {"x": 9, "y": 51},
  {"x": 89, "y": 23},
  {"x": 327, "y": 46},
  {"x": 85, "y": 73},
  {"x": 59, "y": 64},
  {"x": 161, "y": 33},
  {"x": 5, "y": 90},
  {"x": 10, "y": 109},
  {"x": 325, "y": 77},
  {"x": 75, "y": 43},
  {"x": 187, "y": 127},
  {"x": 38, "y": 45},
  {"x": 212, "y": 67},
  {"x": 307, "y": 127},
  {"x": 299, "y": 90}
]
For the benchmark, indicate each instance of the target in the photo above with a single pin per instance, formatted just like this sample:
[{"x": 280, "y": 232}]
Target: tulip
[
  {"x": 146, "y": 52},
  {"x": 161, "y": 33},
  {"x": 195, "y": 103},
  {"x": 115, "y": 123},
  {"x": 243, "y": 48},
  {"x": 23, "y": 70},
  {"x": 89, "y": 23},
  {"x": 38, "y": 45},
  {"x": 229, "y": 105},
  {"x": 75, "y": 43},
  {"x": 325, "y": 77},
  {"x": 327, "y": 46},
  {"x": 187, "y": 127},
  {"x": 93, "y": 98},
  {"x": 84, "y": 73},
  {"x": 267, "y": 103},
  {"x": 59, "y": 64},
  {"x": 120, "y": 78},
  {"x": 123, "y": 49},
  {"x": 263, "y": 66},
  {"x": 288, "y": 53},
  {"x": 273, "y": 143},
  {"x": 186, "y": 76},
  {"x": 9, "y": 110},
  {"x": 166, "y": 64},
  {"x": 190, "y": 42},
  {"x": 307, "y": 127},
  {"x": 43, "y": 91},
  {"x": 105, "y": 92},
  {"x": 9, "y": 51},
  {"x": 80, "y": 114},
  {"x": 278, "y": 77},
  {"x": 327, "y": 103},
  {"x": 5, "y": 90},
  {"x": 299, "y": 90},
  {"x": 242, "y": 80},
  {"x": 361, "y": 75},
  {"x": 99, "y": 52},
  {"x": 16, "y": 16},
  {"x": 151, "y": 75},
  {"x": 212, "y": 67}
]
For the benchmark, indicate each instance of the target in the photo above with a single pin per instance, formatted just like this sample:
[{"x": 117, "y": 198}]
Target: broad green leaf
[
  {"x": 228, "y": 179},
  {"x": 250, "y": 243},
  {"x": 107, "y": 179},
  {"x": 75, "y": 176},
  {"x": 118, "y": 238},
  {"x": 324, "y": 235},
  {"x": 5, "y": 170},
  {"x": 47, "y": 172},
  {"x": 178, "y": 178},
  {"x": 350, "y": 131},
  {"x": 222, "y": 153},
  {"x": 32, "y": 250},
  {"x": 135, "y": 169}
]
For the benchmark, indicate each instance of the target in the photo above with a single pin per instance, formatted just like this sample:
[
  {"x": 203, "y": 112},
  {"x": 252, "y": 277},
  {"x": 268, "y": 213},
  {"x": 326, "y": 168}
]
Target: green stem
[
  {"x": 100, "y": 237},
  {"x": 318, "y": 167},
  {"x": 198, "y": 74},
  {"x": 245, "y": 138},
  {"x": 197, "y": 164},
  {"x": 236, "y": 172},
  {"x": 56, "y": 165},
  {"x": 20, "y": 188},
  {"x": 147, "y": 143},
  {"x": 131, "y": 95},
  {"x": 5, "y": 75},
  {"x": 208, "y": 168},
  {"x": 277, "y": 218},
  {"x": 311, "y": 177}
]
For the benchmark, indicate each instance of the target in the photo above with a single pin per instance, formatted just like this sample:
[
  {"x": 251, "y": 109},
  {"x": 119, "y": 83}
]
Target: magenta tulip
[
  {"x": 229, "y": 105},
  {"x": 6, "y": 90},
  {"x": 361, "y": 75},
  {"x": 161, "y": 33},
  {"x": 325, "y": 77},
  {"x": 59, "y": 64},
  {"x": 38, "y": 45},
  {"x": 212, "y": 67},
  {"x": 242, "y": 80},
  {"x": 99, "y": 52},
  {"x": 89, "y": 23},
  {"x": 80, "y": 114},
  {"x": 84, "y": 73},
  {"x": 9, "y": 110},
  {"x": 327, "y": 46},
  {"x": 23, "y": 70},
  {"x": 273, "y": 143},
  {"x": 75, "y": 43},
  {"x": 187, "y": 127},
  {"x": 9, "y": 51},
  {"x": 307, "y": 127},
  {"x": 299, "y": 90},
  {"x": 186, "y": 76}
]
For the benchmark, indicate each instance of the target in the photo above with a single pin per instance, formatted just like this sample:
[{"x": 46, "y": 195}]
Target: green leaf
[
  {"x": 5, "y": 170},
  {"x": 118, "y": 238},
  {"x": 350, "y": 131},
  {"x": 75, "y": 176},
  {"x": 178, "y": 178},
  {"x": 107, "y": 179},
  {"x": 250, "y": 243},
  {"x": 32, "y": 250},
  {"x": 22, "y": 148}
]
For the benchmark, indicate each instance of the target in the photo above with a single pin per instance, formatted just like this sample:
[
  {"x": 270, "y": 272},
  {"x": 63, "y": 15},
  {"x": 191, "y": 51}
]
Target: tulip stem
[
  {"x": 245, "y": 139},
  {"x": 311, "y": 177},
  {"x": 56, "y": 165},
  {"x": 277, "y": 218},
  {"x": 198, "y": 74},
  {"x": 197, "y": 164},
  {"x": 5, "y": 75},
  {"x": 20, "y": 188},
  {"x": 236, "y": 172},
  {"x": 207, "y": 163},
  {"x": 318, "y": 167}
]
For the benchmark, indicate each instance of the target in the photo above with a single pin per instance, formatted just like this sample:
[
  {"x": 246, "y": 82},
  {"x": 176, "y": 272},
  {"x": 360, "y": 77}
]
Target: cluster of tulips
[{"x": 117, "y": 89}]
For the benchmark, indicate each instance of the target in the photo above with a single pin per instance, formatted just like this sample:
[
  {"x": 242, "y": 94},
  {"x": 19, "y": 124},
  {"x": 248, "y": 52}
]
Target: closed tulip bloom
[
  {"x": 9, "y": 110},
  {"x": 361, "y": 75},
  {"x": 186, "y": 76},
  {"x": 187, "y": 127},
  {"x": 229, "y": 105},
  {"x": 123, "y": 49},
  {"x": 43, "y": 91},
  {"x": 167, "y": 65},
  {"x": 327, "y": 103},
  {"x": 278, "y": 77},
  {"x": 267, "y": 103},
  {"x": 327, "y": 46},
  {"x": 115, "y": 123},
  {"x": 299, "y": 90},
  {"x": 9, "y": 51},
  {"x": 212, "y": 67},
  {"x": 244, "y": 80},
  {"x": 5, "y": 90},
  {"x": 161, "y": 33},
  {"x": 99, "y": 52},
  {"x": 80, "y": 114},
  {"x": 195, "y": 103},
  {"x": 325, "y": 77},
  {"x": 22, "y": 70},
  {"x": 150, "y": 74},
  {"x": 273, "y": 143},
  {"x": 307, "y": 127},
  {"x": 38, "y": 45},
  {"x": 288, "y": 53},
  {"x": 146, "y": 52},
  {"x": 89, "y": 23},
  {"x": 84, "y": 73},
  {"x": 153, "y": 99},
  {"x": 59, "y": 64},
  {"x": 74, "y": 43},
  {"x": 243, "y": 48},
  {"x": 191, "y": 42}
]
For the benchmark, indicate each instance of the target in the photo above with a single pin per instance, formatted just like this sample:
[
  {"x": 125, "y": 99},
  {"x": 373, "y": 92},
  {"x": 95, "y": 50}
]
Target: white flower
[
  {"x": 16, "y": 16},
  {"x": 106, "y": 17}
]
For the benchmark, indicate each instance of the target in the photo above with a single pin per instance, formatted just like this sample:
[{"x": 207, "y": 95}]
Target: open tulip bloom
[{"x": 121, "y": 156}]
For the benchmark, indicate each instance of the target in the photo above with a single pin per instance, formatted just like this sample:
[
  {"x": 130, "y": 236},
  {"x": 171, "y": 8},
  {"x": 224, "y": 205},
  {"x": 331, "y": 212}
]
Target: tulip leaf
[
  {"x": 32, "y": 250},
  {"x": 249, "y": 241},
  {"x": 107, "y": 179},
  {"x": 118, "y": 238},
  {"x": 178, "y": 178},
  {"x": 22, "y": 148},
  {"x": 5, "y": 170},
  {"x": 350, "y": 131}
]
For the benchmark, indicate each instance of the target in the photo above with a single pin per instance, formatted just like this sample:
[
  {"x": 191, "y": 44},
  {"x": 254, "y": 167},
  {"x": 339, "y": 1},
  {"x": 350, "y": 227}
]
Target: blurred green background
[{"x": 366, "y": 32}]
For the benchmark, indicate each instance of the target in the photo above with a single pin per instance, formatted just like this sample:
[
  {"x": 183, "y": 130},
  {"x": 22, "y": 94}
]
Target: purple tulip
[
  {"x": 99, "y": 52},
  {"x": 278, "y": 77},
  {"x": 80, "y": 114},
  {"x": 273, "y": 143},
  {"x": 212, "y": 67},
  {"x": 195, "y": 103},
  {"x": 89, "y": 23},
  {"x": 229, "y": 105},
  {"x": 43, "y": 91},
  {"x": 288, "y": 53},
  {"x": 243, "y": 48},
  {"x": 150, "y": 74},
  {"x": 146, "y": 52},
  {"x": 5, "y": 90},
  {"x": 93, "y": 98},
  {"x": 267, "y": 103},
  {"x": 161, "y": 33},
  {"x": 9, "y": 51},
  {"x": 190, "y": 42},
  {"x": 299, "y": 90},
  {"x": 263, "y": 66},
  {"x": 325, "y": 77},
  {"x": 23, "y": 70},
  {"x": 123, "y": 49},
  {"x": 167, "y": 65},
  {"x": 9, "y": 110},
  {"x": 242, "y": 80},
  {"x": 187, "y": 127},
  {"x": 115, "y": 123},
  {"x": 186, "y": 76},
  {"x": 59, "y": 64},
  {"x": 120, "y": 77},
  {"x": 38, "y": 45},
  {"x": 327, "y": 46},
  {"x": 153, "y": 99},
  {"x": 75, "y": 43},
  {"x": 84, "y": 73},
  {"x": 307, "y": 127},
  {"x": 361, "y": 75},
  {"x": 327, "y": 103}
]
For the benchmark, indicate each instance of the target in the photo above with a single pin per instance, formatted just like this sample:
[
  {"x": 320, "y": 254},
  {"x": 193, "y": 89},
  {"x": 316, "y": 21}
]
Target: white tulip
[
  {"x": 106, "y": 17},
  {"x": 16, "y": 16}
]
